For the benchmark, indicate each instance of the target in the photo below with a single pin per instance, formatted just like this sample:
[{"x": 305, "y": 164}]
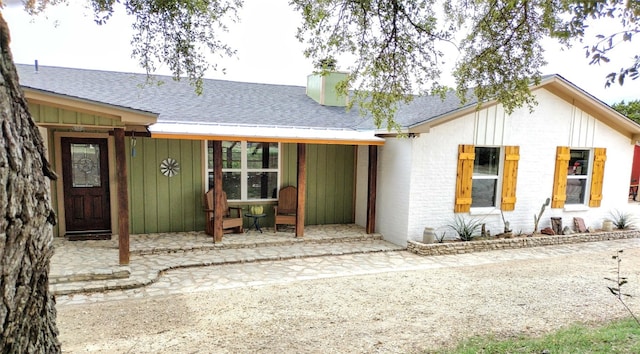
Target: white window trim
[
  {"x": 244, "y": 171},
  {"x": 485, "y": 211},
  {"x": 499, "y": 177},
  {"x": 584, "y": 205}
]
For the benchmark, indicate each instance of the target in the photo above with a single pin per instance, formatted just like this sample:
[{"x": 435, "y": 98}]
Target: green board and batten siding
[
  {"x": 330, "y": 181},
  {"x": 162, "y": 204},
  {"x": 52, "y": 115},
  {"x": 165, "y": 204}
]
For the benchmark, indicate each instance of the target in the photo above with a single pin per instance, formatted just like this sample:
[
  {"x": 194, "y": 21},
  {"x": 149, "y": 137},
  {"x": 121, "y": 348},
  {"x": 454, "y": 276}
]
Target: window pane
[
  {"x": 579, "y": 163},
  {"x": 483, "y": 193},
  {"x": 210, "y": 156},
  {"x": 576, "y": 189},
  {"x": 262, "y": 155},
  {"x": 231, "y": 184},
  {"x": 486, "y": 161},
  {"x": 231, "y": 154},
  {"x": 85, "y": 165},
  {"x": 262, "y": 185}
]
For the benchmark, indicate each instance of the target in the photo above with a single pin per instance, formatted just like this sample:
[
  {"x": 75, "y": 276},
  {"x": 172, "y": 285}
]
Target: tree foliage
[
  {"x": 631, "y": 109},
  {"x": 177, "y": 33},
  {"x": 399, "y": 48},
  {"x": 397, "y": 45}
]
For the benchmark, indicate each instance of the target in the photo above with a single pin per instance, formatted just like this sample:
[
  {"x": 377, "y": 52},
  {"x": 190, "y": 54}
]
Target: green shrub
[
  {"x": 465, "y": 228},
  {"x": 621, "y": 220}
]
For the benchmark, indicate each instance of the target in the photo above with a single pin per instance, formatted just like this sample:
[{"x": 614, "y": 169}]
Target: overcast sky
[{"x": 267, "y": 49}]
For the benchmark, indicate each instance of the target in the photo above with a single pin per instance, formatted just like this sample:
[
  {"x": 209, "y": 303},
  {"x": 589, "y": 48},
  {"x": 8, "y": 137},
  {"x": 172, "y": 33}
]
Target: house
[
  {"x": 157, "y": 144},
  {"x": 483, "y": 164}
]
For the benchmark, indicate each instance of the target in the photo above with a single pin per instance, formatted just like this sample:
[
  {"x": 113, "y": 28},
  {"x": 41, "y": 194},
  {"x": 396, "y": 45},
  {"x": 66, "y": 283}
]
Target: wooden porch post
[
  {"x": 372, "y": 186},
  {"x": 123, "y": 196},
  {"x": 302, "y": 187},
  {"x": 218, "y": 213}
]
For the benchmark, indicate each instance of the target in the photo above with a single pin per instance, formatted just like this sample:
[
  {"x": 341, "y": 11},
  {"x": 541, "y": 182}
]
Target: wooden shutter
[
  {"x": 510, "y": 177},
  {"x": 559, "y": 196},
  {"x": 597, "y": 176},
  {"x": 464, "y": 178}
]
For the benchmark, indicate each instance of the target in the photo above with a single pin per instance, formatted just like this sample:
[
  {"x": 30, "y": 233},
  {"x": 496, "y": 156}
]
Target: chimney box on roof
[{"x": 322, "y": 88}]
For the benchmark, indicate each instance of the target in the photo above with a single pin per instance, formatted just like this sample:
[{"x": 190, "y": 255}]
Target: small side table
[{"x": 256, "y": 221}]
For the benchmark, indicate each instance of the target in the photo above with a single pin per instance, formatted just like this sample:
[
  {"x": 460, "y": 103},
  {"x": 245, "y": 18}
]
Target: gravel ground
[{"x": 404, "y": 312}]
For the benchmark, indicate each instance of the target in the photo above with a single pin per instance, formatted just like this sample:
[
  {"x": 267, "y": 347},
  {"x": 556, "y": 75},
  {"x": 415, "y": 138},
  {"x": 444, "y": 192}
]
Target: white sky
[{"x": 267, "y": 50}]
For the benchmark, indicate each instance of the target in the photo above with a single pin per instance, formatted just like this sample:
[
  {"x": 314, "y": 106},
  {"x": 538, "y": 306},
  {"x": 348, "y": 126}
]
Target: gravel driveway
[{"x": 396, "y": 312}]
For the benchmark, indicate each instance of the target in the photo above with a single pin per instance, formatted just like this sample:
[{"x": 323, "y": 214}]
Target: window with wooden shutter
[
  {"x": 486, "y": 177},
  {"x": 559, "y": 195},
  {"x": 510, "y": 177},
  {"x": 464, "y": 178},
  {"x": 597, "y": 176}
]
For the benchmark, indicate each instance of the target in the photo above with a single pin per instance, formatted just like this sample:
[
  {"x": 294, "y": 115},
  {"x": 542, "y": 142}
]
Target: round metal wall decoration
[{"x": 169, "y": 167}]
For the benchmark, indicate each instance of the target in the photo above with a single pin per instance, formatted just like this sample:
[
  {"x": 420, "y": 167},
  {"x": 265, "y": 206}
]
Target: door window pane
[{"x": 85, "y": 165}]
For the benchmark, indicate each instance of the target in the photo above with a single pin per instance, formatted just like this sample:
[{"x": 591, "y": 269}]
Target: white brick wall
[
  {"x": 416, "y": 180},
  {"x": 392, "y": 202}
]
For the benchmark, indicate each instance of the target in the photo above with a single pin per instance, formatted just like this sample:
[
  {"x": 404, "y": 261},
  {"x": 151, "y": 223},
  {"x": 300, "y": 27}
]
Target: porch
[{"x": 91, "y": 266}]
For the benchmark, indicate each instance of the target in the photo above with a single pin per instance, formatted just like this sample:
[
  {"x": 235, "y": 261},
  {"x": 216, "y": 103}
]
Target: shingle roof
[{"x": 222, "y": 102}]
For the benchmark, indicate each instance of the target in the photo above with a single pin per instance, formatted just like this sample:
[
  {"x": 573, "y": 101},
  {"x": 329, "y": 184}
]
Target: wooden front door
[{"x": 85, "y": 175}]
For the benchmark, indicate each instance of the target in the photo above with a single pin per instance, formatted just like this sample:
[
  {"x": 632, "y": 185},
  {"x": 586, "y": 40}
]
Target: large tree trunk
[{"x": 27, "y": 308}]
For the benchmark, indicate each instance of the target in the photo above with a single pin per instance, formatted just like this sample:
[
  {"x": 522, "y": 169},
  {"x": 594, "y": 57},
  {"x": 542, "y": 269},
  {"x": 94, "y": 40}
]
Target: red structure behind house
[{"x": 635, "y": 173}]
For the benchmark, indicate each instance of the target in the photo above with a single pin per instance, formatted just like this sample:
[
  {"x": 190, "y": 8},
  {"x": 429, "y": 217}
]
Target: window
[
  {"x": 485, "y": 176},
  {"x": 577, "y": 176},
  {"x": 484, "y": 187},
  {"x": 249, "y": 169}
]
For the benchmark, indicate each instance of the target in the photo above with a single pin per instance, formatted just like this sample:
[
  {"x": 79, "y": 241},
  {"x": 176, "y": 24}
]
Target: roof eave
[{"x": 128, "y": 116}]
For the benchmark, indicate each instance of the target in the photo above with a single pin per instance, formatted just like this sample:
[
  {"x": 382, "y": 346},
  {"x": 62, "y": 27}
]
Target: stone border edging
[
  {"x": 101, "y": 285},
  {"x": 449, "y": 248}
]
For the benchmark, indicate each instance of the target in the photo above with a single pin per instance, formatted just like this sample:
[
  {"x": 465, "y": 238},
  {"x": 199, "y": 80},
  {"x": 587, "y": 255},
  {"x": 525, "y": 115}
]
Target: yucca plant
[
  {"x": 622, "y": 220},
  {"x": 465, "y": 228}
]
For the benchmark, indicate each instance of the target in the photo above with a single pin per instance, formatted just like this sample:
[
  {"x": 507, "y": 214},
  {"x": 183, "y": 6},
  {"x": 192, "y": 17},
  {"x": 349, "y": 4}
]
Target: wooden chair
[
  {"x": 285, "y": 211},
  {"x": 229, "y": 223}
]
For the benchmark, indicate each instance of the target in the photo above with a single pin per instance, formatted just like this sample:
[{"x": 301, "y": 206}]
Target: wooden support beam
[
  {"x": 123, "y": 196},
  {"x": 218, "y": 213},
  {"x": 302, "y": 187},
  {"x": 372, "y": 188}
]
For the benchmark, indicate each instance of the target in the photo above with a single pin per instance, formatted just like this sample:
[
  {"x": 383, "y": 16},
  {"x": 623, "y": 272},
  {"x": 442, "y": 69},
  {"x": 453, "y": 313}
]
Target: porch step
[
  {"x": 88, "y": 236},
  {"x": 233, "y": 241},
  {"x": 147, "y": 268},
  {"x": 94, "y": 274}
]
